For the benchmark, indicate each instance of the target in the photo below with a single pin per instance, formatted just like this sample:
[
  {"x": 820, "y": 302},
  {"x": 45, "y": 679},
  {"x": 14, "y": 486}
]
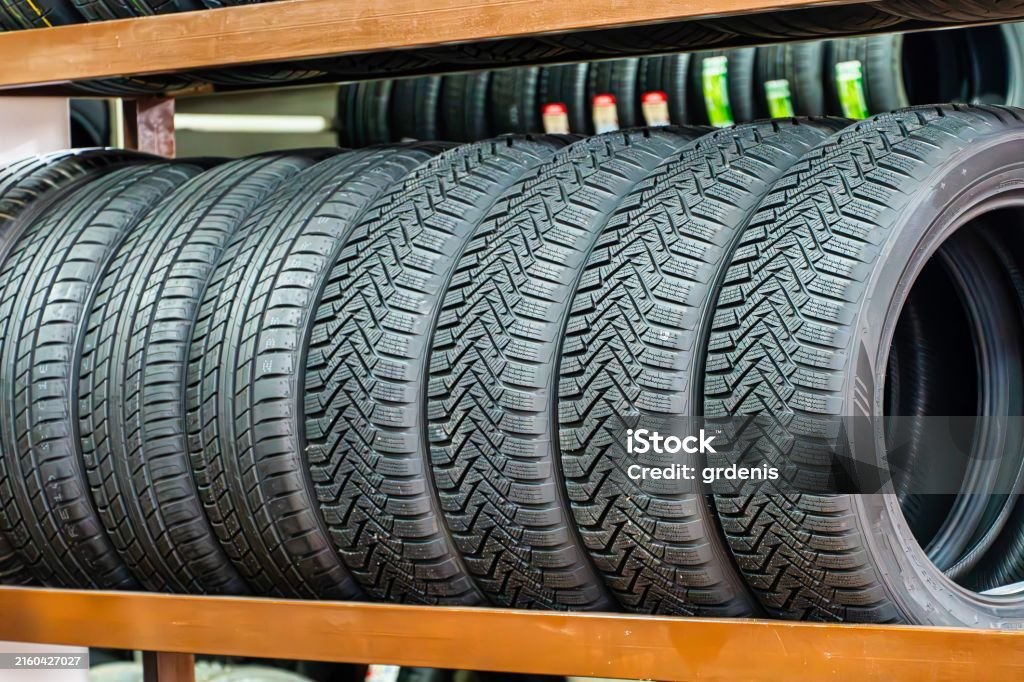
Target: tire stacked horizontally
[{"x": 398, "y": 373}]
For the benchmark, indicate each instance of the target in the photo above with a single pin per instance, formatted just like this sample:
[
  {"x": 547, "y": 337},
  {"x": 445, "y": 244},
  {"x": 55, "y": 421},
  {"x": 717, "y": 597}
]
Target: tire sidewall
[{"x": 991, "y": 167}]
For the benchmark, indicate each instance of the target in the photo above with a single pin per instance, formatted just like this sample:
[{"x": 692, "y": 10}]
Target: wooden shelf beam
[
  {"x": 599, "y": 645},
  {"x": 304, "y": 29}
]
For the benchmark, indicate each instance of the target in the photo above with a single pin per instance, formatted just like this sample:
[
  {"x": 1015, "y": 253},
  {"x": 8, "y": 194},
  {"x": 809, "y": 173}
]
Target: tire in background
[
  {"x": 363, "y": 113},
  {"x": 900, "y": 70},
  {"x": 17, "y": 15},
  {"x": 801, "y": 65},
  {"x": 633, "y": 344},
  {"x": 666, "y": 73},
  {"x": 105, "y": 10},
  {"x": 616, "y": 77},
  {"x": 810, "y": 23},
  {"x": 368, "y": 367},
  {"x": 843, "y": 557},
  {"x": 740, "y": 85},
  {"x": 246, "y": 396},
  {"x": 567, "y": 84},
  {"x": 635, "y": 41},
  {"x": 132, "y": 380},
  {"x": 415, "y": 104},
  {"x": 90, "y": 123},
  {"x": 514, "y": 107},
  {"x": 464, "y": 106},
  {"x": 491, "y": 415},
  {"x": 996, "y": 64},
  {"x": 954, "y": 10},
  {"x": 48, "y": 281}
]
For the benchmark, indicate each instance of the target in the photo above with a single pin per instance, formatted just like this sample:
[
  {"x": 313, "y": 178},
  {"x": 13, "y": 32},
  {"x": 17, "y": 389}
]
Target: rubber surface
[
  {"x": 245, "y": 380},
  {"x": 48, "y": 281},
  {"x": 132, "y": 382},
  {"x": 869, "y": 188},
  {"x": 801, "y": 65},
  {"x": 666, "y": 73},
  {"x": 28, "y": 184},
  {"x": 616, "y": 77},
  {"x": 514, "y": 106},
  {"x": 633, "y": 344},
  {"x": 368, "y": 368},
  {"x": 364, "y": 113},
  {"x": 24, "y": 14},
  {"x": 415, "y": 106},
  {"x": 105, "y": 10},
  {"x": 740, "y": 76},
  {"x": 955, "y": 10},
  {"x": 637, "y": 40},
  {"x": 492, "y": 408},
  {"x": 464, "y": 97},
  {"x": 810, "y": 23},
  {"x": 567, "y": 84}
]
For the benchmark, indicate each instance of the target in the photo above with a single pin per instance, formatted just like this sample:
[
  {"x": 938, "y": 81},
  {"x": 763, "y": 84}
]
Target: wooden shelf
[
  {"x": 291, "y": 30},
  {"x": 600, "y": 645}
]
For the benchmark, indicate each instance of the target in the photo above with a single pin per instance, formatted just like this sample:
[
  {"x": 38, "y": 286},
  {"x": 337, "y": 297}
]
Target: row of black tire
[
  {"x": 848, "y": 19},
  {"x": 389, "y": 374},
  {"x": 976, "y": 65}
]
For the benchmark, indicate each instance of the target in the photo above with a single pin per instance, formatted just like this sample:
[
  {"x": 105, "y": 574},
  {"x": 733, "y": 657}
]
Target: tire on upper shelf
[
  {"x": 132, "y": 379},
  {"x": 16, "y": 15},
  {"x": 853, "y": 225},
  {"x": 492, "y": 410},
  {"x": 633, "y": 345},
  {"x": 567, "y": 84},
  {"x": 368, "y": 367},
  {"x": 48, "y": 279},
  {"x": 954, "y": 10},
  {"x": 246, "y": 395},
  {"x": 106, "y": 10},
  {"x": 638, "y": 40},
  {"x": 813, "y": 22}
]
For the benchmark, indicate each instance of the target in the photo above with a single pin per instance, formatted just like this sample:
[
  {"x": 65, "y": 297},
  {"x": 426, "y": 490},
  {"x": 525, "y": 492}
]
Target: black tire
[
  {"x": 245, "y": 379},
  {"x": 90, "y": 123},
  {"x": 514, "y": 107},
  {"x": 464, "y": 106},
  {"x": 415, "y": 104},
  {"x": 846, "y": 557},
  {"x": 635, "y": 41},
  {"x": 132, "y": 379},
  {"x": 27, "y": 185},
  {"x": 946, "y": 11},
  {"x": 996, "y": 64},
  {"x": 801, "y": 65},
  {"x": 494, "y": 53},
  {"x": 492, "y": 411},
  {"x": 629, "y": 356},
  {"x": 616, "y": 77},
  {"x": 810, "y": 23},
  {"x": 667, "y": 74},
  {"x": 367, "y": 373},
  {"x": 567, "y": 84},
  {"x": 118, "y": 87},
  {"x": 48, "y": 280},
  {"x": 364, "y": 112},
  {"x": 255, "y": 75},
  {"x": 903, "y": 69},
  {"x": 741, "y": 88},
  {"x": 105, "y": 10},
  {"x": 24, "y": 14}
]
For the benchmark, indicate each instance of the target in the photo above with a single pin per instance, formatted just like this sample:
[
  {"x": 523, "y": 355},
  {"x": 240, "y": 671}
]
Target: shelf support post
[
  {"x": 162, "y": 666},
  {"x": 149, "y": 125}
]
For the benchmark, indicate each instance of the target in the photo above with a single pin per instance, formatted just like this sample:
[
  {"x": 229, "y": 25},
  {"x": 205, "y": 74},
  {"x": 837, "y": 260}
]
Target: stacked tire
[{"x": 403, "y": 373}]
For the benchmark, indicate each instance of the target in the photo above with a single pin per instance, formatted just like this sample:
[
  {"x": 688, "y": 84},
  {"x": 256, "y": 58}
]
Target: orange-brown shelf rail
[
  {"x": 303, "y": 29},
  {"x": 600, "y": 645}
]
